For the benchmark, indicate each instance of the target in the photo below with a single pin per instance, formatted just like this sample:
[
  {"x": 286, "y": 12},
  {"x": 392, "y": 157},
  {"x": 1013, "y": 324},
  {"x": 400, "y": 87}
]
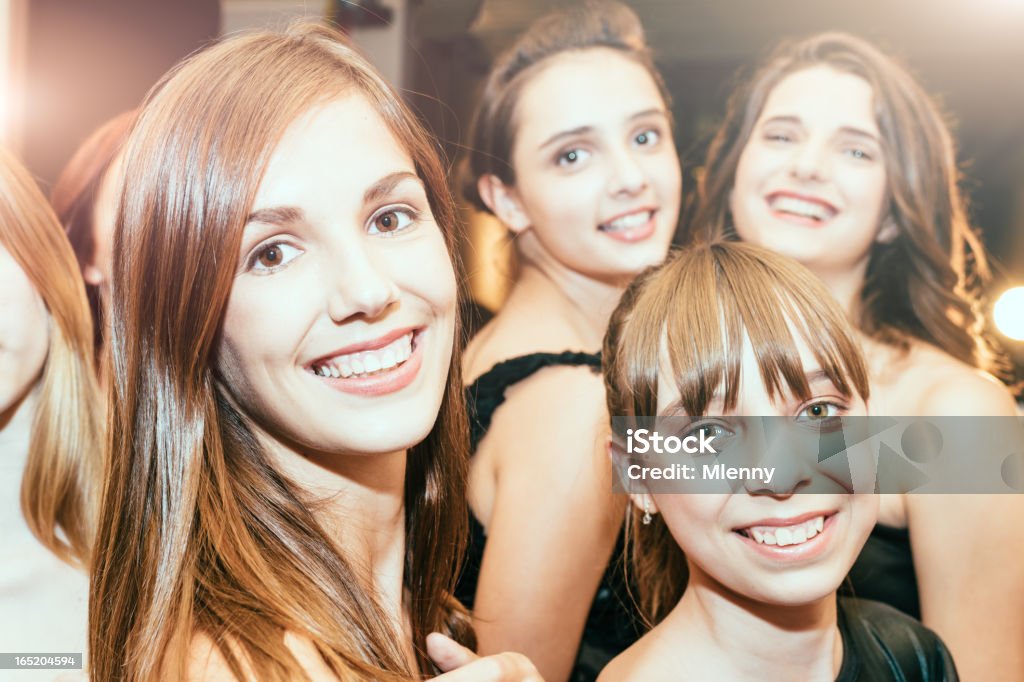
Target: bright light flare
[{"x": 1008, "y": 313}]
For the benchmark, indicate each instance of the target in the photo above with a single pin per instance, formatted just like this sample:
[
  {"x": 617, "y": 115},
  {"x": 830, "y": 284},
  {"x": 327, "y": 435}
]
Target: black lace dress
[{"x": 612, "y": 623}]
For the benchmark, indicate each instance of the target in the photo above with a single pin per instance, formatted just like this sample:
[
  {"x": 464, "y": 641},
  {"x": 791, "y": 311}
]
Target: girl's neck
[
  {"x": 581, "y": 302},
  {"x": 845, "y": 286},
  {"x": 359, "y": 500},
  {"x": 739, "y": 638}
]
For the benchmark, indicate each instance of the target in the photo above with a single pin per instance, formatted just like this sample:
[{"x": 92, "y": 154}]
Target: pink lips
[
  {"x": 634, "y": 233},
  {"x": 383, "y": 382},
  {"x": 796, "y": 553},
  {"x": 793, "y": 217}
]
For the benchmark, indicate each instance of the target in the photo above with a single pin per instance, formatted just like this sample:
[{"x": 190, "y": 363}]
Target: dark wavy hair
[{"x": 926, "y": 283}]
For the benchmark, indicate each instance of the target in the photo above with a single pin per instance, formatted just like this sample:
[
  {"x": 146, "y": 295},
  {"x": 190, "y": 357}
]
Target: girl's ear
[
  {"x": 92, "y": 275},
  {"x": 644, "y": 502},
  {"x": 503, "y": 202},
  {"x": 888, "y": 231}
]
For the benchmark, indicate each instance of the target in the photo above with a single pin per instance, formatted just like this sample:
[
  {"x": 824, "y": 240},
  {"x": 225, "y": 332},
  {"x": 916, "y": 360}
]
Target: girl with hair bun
[
  {"x": 832, "y": 154},
  {"x": 742, "y": 584},
  {"x": 285, "y": 494},
  {"x": 571, "y": 149}
]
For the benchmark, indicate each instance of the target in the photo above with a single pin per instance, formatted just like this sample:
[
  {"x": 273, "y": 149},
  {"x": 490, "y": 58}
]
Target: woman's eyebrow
[
  {"x": 386, "y": 185},
  {"x": 653, "y": 111},
  {"x": 278, "y": 215},
  {"x": 819, "y": 376},
  {"x": 565, "y": 133},
  {"x": 860, "y": 132}
]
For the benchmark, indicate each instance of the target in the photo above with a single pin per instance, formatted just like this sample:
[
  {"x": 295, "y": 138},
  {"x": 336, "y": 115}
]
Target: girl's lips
[
  {"x": 628, "y": 229},
  {"x": 805, "y": 551},
  {"x": 385, "y": 381},
  {"x": 800, "y": 209}
]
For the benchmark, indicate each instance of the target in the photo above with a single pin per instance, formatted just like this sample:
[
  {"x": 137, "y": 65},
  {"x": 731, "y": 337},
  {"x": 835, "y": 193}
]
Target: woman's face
[
  {"x": 339, "y": 328},
  {"x": 597, "y": 176},
  {"x": 773, "y": 542},
  {"x": 24, "y": 332},
  {"x": 811, "y": 182}
]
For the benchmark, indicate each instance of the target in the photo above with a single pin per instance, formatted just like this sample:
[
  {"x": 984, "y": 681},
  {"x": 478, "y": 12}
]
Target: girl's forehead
[
  {"x": 822, "y": 95},
  {"x": 740, "y": 366}
]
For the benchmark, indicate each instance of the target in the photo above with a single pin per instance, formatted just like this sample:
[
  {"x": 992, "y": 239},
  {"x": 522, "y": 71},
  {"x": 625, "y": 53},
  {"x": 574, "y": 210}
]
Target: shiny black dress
[
  {"x": 612, "y": 623},
  {"x": 881, "y": 644}
]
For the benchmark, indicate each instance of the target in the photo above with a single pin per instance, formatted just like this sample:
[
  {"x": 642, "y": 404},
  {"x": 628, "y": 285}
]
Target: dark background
[
  {"x": 88, "y": 60},
  {"x": 968, "y": 54}
]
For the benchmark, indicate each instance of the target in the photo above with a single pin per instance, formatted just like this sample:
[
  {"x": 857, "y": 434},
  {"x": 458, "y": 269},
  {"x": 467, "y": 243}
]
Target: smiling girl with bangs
[{"x": 742, "y": 585}]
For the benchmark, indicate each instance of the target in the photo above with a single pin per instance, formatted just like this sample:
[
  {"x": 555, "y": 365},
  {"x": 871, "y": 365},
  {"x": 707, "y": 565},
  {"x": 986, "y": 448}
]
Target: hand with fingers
[{"x": 460, "y": 664}]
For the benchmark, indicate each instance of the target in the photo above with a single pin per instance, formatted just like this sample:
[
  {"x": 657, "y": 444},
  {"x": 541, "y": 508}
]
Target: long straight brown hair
[
  {"x": 199, "y": 533},
  {"x": 59, "y": 487},
  {"x": 925, "y": 284},
  {"x": 695, "y": 310}
]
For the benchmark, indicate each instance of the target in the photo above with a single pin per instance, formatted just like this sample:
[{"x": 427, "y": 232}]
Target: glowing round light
[{"x": 1008, "y": 313}]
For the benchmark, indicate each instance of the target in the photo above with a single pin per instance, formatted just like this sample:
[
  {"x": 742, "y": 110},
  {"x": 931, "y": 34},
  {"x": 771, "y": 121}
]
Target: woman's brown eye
[
  {"x": 269, "y": 257},
  {"x": 387, "y": 222}
]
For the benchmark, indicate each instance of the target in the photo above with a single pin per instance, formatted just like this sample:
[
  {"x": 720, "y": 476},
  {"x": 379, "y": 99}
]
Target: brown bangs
[{"x": 702, "y": 303}]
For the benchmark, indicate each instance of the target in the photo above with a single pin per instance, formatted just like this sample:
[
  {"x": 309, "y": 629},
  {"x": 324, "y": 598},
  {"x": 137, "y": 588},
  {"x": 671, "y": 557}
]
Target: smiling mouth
[
  {"x": 626, "y": 223},
  {"x": 805, "y": 208},
  {"x": 783, "y": 535},
  {"x": 367, "y": 363},
  {"x": 630, "y": 227}
]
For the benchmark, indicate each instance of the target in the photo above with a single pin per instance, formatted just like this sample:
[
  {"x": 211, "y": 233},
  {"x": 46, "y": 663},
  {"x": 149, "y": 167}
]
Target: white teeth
[
  {"x": 627, "y": 222},
  {"x": 787, "y": 535},
  {"x": 800, "y": 207},
  {"x": 367, "y": 362}
]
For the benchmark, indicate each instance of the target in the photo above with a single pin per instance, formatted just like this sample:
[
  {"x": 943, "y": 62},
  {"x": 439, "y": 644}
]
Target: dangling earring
[{"x": 646, "y": 520}]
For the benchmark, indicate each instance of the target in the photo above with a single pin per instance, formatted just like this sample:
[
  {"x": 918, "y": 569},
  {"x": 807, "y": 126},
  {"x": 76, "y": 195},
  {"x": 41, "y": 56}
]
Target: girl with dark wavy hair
[{"x": 832, "y": 154}]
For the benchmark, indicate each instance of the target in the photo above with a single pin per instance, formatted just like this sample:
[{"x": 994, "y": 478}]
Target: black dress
[
  {"x": 612, "y": 623},
  {"x": 881, "y": 644},
  {"x": 884, "y": 571}
]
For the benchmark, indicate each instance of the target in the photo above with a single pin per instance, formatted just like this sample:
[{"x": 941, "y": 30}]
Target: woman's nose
[{"x": 360, "y": 285}]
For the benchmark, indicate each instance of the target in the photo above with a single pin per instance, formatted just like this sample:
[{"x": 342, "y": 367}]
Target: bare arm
[
  {"x": 967, "y": 555},
  {"x": 553, "y": 520}
]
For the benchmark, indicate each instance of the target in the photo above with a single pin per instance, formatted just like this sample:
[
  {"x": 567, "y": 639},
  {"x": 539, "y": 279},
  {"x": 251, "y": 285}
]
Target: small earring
[{"x": 646, "y": 520}]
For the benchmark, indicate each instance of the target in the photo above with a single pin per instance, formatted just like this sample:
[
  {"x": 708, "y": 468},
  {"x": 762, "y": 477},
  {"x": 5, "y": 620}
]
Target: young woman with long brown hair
[
  {"x": 285, "y": 492},
  {"x": 571, "y": 149},
  {"x": 832, "y": 154},
  {"x": 739, "y": 581},
  {"x": 49, "y": 425}
]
